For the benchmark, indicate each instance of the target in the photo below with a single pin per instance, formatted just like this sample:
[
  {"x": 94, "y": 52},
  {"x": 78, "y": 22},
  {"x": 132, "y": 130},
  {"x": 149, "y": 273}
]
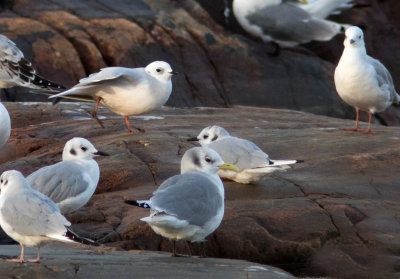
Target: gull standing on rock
[
  {"x": 125, "y": 91},
  {"x": 5, "y": 125},
  {"x": 189, "y": 206},
  {"x": 289, "y": 23},
  {"x": 15, "y": 70},
  {"x": 252, "y": 162},
  {"x": 362, "y": 81},
  {"x": 28, "y": 216},
  {"x": 71, "y": 182}
]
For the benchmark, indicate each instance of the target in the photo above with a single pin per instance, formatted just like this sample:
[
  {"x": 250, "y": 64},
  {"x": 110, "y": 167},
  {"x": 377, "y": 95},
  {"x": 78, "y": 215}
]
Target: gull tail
[
  {"x": 62, "y": 238},
  {"x": 276, "y": 165},
  {"x": 77, "y": 238},
  {"x": 144, "y": 204}
]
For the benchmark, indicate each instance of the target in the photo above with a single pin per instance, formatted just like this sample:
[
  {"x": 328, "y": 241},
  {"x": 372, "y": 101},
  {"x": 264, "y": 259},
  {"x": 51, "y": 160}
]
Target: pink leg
[
  {"x": 37, "y": 260},
  {"x": 357, "y": 117},
  {"x": 129, "y": 128},
  {"x": 368, "y": 130},
  {"x": 94, "y": 113},
  {"x": 20, "y": 259}
]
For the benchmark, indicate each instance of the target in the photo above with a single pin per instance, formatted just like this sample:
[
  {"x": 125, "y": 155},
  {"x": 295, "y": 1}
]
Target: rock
[
  {"x": 86, "y": 262},
  {"x": 335, "y": 212}
]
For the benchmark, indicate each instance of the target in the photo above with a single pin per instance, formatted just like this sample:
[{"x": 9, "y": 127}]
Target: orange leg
[
  {"x": 357, "y": 118},
  {"x": 129, "y": 128},
  {"x": 94, "y": 113},
  {"x": 368, "y": 130}
]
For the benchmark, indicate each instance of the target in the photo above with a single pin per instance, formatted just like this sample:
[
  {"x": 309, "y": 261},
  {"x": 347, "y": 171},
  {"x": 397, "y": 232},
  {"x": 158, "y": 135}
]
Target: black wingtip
[
  {"x": 136, "y": 203},
  {"x": 299, "y": 161},
  {"x": 192, "y": 139}
]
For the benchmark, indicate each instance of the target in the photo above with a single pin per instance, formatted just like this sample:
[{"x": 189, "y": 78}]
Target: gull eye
[
  {"x": 158, "y": 70},
  {"x": 83, "y": 148},
  {"x": 208, "y": 160},
  {"x": 5, "y": 183},
  {"x": 359, "y": 37},
  {"x": 205, "y": 136},
  {"x": 72, "y": 151}
]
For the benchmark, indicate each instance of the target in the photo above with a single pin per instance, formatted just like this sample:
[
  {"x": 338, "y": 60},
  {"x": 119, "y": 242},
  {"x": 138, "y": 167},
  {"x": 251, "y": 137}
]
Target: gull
[
  {"x": 125, "y": 91},
  {"x": 362, "y": 81},
  {"x": 252, "y": 162},
  {"x": 15, "y": 70},
  {"x": 5, "y": 125},
  {"x": 28, "y": 216},
  {"x": 189, "y": 206},
  {"x": 71, "y": 182},
  {"x": 288, "y": 23}
]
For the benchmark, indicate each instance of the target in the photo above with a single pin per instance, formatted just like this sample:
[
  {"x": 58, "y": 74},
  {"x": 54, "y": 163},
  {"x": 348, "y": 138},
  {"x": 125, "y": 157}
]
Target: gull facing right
[
  {"x": 362, "y": 81},
  {"x": 125, "y": 91},
  {"x": 5, "y": 125},
  {"x": 252, "y": 162}
]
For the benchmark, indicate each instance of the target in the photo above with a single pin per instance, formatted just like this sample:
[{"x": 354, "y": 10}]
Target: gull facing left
[
  {"x": 125, "y": 91},
  {"x": 28, "y": 216},
  {"x": 362, "y": 81},
  {"x": 189, "y": 206},
  {"x": 252, "y": 162}
]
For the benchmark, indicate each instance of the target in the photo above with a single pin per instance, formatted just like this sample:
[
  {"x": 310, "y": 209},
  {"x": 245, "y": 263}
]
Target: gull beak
[
  {"x": 231, "y": 167},
  {"x": 174, "y": 73},
  {"x": 352, "y": 41},
  {"x": 193, "y": 139},
  {"x": 304, "y": 2},
  {"x": 101, "y": 153}
]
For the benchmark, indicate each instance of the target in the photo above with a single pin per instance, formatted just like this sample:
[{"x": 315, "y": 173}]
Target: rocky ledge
[{"x": 336, "y": 214}]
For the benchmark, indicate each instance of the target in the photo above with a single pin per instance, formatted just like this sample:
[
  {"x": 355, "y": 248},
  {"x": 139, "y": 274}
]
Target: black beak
[
  {"x": 101, "y": 153},
  {"x": 352, "y": 41},
  {"x": 174, "y": 73},
  {"x": 193, "y": 139}
]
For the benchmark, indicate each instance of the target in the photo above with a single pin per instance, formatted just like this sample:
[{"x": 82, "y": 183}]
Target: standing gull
[
  {"x": 28, "y": 216},
  {"x": 5, "y": 125},
  {"x": 15, "y": 70},
  {"x": 362, "y": 81},
  {"x": 252, "y": 162},
  {"x": 125, "y": 91},
  {"x": 189, "y": 206},
  {"x": 71, "y": 182},
  {"x": 288, "y": 23}
]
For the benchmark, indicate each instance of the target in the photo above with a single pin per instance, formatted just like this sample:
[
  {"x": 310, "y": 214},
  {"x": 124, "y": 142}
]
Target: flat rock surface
[
  {"x": 339, "y": 209},
  {"x": 86, "y": 262}
]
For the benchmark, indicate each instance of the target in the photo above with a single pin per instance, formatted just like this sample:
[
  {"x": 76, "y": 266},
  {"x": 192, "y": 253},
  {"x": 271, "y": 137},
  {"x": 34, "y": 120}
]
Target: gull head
[
  {"x": 202, "y": 159},
  {"x": 80, "y": 148},
  {"x": 12, "y": 181},
  {"x": 160, "y": 70},
  {"x": 211, "y": 134},
  {"x": 354, "y": 37}
]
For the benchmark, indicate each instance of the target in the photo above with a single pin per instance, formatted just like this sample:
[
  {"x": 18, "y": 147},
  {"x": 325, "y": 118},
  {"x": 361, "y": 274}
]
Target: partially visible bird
[
  {"x": 125, "y": 91},
  {"x": 5, "y": 125},
  {"x": 189, "y": 206},
  {"x": 71, "y": 182},
  {"x": 252, "y": 162},
  {"x": 15, "y": 70},
  {"x": 28, "y": 216},
  {"x": 362, "y": 81},
  {"x": 289, "y": 22}
]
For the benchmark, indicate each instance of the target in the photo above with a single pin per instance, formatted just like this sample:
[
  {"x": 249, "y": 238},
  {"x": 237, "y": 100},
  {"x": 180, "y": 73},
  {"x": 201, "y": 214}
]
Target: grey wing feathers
[
  {"x": 243, "y": 153},
  {"x": 287, "y": 22},
  {"x": 193, "y": 197},
  {"x": 384, "y": 78},
  {"x": 30, "y": 213},
  {"x": 59, "y": 181}
]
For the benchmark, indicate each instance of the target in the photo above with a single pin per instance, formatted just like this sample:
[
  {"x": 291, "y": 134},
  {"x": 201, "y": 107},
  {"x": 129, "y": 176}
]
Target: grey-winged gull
[
  {"x": 362, "y": 81},
  {"x": 252, "y": 162},
  {"x": 125, "y": 91},
  {"x": 5, "y": 125}
]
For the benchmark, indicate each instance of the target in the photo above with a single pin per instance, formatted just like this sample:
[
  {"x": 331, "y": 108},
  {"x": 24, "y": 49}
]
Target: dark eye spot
[
  {"x": 158, "y": 70},
  {"x": 205, "y": 136},
  {"x": 5, "y": 183},
  {"x": 72, "y": 151},
  {"x": 83, "y": 148},
  {"x": 359, "y": 37},
  {"x": 214, "y": 138},
  {"x": 208, "y": 160}
]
